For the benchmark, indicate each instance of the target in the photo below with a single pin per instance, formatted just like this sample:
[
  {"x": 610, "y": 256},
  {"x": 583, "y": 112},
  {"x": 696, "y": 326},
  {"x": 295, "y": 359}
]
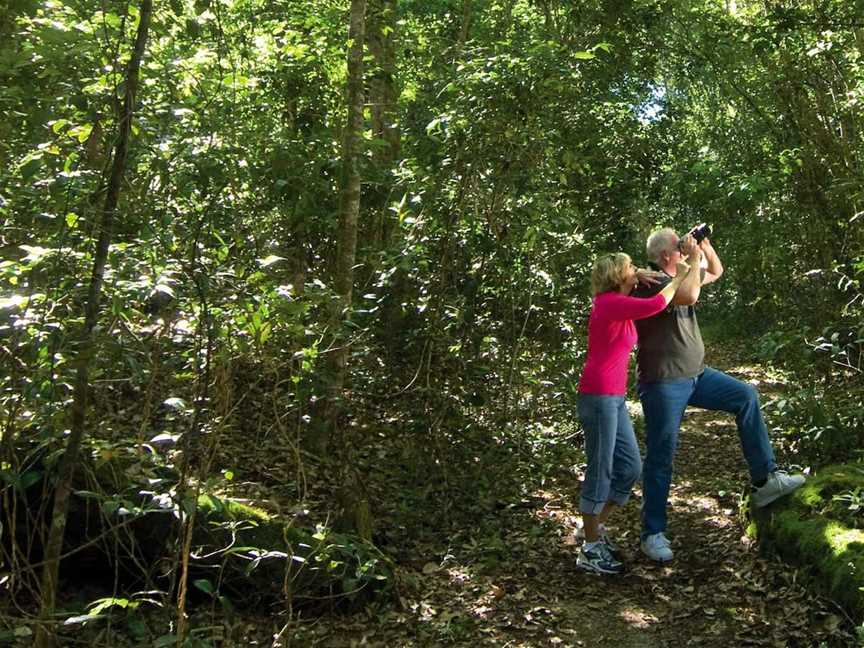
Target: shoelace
[{"x": 662, "y": 540}]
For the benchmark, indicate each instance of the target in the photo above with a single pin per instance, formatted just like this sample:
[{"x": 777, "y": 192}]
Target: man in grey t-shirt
[{"x": 671, "y": 373}]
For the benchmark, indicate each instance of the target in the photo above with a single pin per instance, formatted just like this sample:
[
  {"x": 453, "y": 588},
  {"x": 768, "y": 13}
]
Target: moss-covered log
[
  {"x": 812, "y": 529},
  {"x": 250, "y": 556},
  {"x": 240, "y": 553}
]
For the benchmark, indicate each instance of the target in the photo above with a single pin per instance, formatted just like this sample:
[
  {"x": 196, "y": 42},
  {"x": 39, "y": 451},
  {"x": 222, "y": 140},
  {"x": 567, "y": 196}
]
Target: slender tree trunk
[
  {"x": 859, "y": 40},
  {"x": 349, "y": 209},
  {"x": 355, "y": 514},
  {"x": 381, "y": 39},
  {"x": 465, "y": 27},
  {"x": 299, "y": 256},
  {"x": 87, "y": 344}
]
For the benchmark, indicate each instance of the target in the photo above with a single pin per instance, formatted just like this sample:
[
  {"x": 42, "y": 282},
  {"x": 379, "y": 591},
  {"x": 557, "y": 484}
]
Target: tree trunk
[
  {"x": 87, "y": 343},
  {"x": 354, "y": 514},
  {"x": 465, "y": 27},
  {"x": 349, "y": 209},
  {"x": 381, "y": 39}
]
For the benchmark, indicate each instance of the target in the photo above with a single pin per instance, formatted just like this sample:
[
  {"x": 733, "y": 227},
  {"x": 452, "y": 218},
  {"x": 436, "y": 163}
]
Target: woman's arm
[
  {"x": 682, "y": 274},
  {"x": 621, "y": 307}
]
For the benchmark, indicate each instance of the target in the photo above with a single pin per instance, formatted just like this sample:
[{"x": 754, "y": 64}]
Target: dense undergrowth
[{"x": 367, "y": 317}]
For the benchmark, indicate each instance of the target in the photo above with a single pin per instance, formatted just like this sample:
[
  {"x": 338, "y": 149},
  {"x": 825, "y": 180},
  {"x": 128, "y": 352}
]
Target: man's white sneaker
[
  {"x": 778, "y": 484},
  {"x": 656, "y": 547}
]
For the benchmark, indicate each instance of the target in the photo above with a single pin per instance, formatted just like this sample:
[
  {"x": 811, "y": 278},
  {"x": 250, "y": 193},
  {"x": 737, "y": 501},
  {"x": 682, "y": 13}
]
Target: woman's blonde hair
[{"x": 609, "y": 272}]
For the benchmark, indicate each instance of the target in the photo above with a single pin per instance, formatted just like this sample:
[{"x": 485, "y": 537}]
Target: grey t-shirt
[{"x": 670, "y": 344}]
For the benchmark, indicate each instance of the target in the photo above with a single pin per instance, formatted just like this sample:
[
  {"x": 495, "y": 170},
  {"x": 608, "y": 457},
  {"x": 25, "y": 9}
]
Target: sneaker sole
[
  {"x": 657, "y": 559},
  {"x": 593, "y": 569},
  {"x": 764, "y": 503},
  {"x": 771, "y": 500}
]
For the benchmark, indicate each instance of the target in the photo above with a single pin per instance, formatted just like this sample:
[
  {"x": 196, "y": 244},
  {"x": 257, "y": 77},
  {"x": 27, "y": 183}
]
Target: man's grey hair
[{"x": 658, "y": 242}]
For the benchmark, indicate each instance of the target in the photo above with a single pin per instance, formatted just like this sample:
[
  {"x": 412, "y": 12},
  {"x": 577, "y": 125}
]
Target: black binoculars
[{"x": 700, "y": 232}]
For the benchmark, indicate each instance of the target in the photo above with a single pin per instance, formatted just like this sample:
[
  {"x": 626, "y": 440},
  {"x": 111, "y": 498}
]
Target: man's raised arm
[
  {"x": 688, "y": 293},
  {"x": 714, "y": 268}
]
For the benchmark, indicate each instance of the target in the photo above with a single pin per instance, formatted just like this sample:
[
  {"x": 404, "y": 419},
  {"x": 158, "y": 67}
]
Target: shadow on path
[{"x": 719, "y": 591}]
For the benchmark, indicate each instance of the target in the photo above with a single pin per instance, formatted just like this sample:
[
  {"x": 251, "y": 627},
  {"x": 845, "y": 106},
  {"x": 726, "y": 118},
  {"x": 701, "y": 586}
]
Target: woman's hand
[
  {"x": 681, "y": 269},
  {"x": 648, "y": 277}
]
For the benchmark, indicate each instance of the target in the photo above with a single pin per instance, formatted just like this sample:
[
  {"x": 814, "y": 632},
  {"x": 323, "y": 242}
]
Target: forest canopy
[{"x": 334, "y": 255}]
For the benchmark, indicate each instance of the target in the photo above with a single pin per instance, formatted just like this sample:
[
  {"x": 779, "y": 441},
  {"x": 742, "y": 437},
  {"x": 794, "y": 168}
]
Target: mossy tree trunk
[{"x": 87, "y": 345}]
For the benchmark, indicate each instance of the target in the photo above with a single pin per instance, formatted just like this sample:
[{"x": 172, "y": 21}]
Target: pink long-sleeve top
[{"x": 611, "y": 338}]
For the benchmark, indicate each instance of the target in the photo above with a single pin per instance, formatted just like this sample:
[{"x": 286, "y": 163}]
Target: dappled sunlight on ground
[
  {"x": 511, "y": 580},
  {"x": 638, "y": 618}
]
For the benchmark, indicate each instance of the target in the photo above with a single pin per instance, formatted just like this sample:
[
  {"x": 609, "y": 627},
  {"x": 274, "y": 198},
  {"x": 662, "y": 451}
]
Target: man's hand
[
  {"x": 688, "y": 245},
  {"x": 688, "y": 292}
]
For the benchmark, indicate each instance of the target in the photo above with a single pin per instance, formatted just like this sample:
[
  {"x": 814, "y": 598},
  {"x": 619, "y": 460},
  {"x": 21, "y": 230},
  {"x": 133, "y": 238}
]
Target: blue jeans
[
  {"x": 664, "y": 402},
  {"x": 613, "y": 456}
]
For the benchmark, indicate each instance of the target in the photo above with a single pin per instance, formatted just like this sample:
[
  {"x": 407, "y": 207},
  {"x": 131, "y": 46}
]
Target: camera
[{"x": 700, "y": 232}]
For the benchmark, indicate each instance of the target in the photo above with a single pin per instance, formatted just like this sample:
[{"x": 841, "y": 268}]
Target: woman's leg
[
  {"x": 599, "y": 417},
  {"x": 626, "y": 462}
]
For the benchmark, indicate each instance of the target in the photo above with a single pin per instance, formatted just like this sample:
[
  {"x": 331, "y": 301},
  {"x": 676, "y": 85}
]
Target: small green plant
[{"x": 854, "y": 499}]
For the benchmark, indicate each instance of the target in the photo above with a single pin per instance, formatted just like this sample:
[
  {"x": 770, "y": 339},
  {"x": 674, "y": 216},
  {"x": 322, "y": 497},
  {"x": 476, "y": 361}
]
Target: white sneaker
[
  {"x": 599, "y": 559},
  {"x": 611, "y": 545},
  {"x": 778, "y": 484},
  {"x": 656, "y": 547}
]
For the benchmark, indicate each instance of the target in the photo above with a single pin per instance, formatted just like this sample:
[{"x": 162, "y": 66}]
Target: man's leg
[
  {"x": 716, "y": 390},
  {"x": 663, "y": 404}
]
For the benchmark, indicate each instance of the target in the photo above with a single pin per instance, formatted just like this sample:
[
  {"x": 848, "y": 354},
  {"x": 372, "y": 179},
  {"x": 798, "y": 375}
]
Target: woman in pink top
[{"x": 614, "y": 463}]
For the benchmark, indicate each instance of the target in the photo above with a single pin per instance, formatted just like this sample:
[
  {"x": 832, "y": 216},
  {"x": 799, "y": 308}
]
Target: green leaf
[
  {"x": 81, "y": 133},
  {"x": 112, "y": 20},
  {"x": 204, "y": 585},
  {"x": 584, "y": 55},
  {"x": 165, "y": 289},
  {"x": 30, "y": 168},
  {"x": 269, "y": 260},
  {"x": 137, "y": 628},
  {"x": 174, "y": 403},
  {"x": 81, "y": 618},
  {"x": 35, "y": 253},
  {"x": 29, "y": 478},
  {"x": 100, "y": 605}
]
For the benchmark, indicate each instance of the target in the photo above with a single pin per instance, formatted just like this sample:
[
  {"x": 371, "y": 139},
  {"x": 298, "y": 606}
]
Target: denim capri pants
[{"x": 614, "y": 463}]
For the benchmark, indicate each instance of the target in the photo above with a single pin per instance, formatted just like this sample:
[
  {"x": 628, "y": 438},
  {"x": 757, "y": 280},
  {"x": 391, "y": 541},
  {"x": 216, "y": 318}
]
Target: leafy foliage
[{"x": 524, "y": 138}]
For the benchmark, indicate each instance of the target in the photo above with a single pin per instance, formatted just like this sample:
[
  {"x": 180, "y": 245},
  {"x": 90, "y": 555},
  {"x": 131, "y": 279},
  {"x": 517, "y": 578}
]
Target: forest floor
[
  {"x": 719, "y": 591},
  {"x": 491, "y": 560}
]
